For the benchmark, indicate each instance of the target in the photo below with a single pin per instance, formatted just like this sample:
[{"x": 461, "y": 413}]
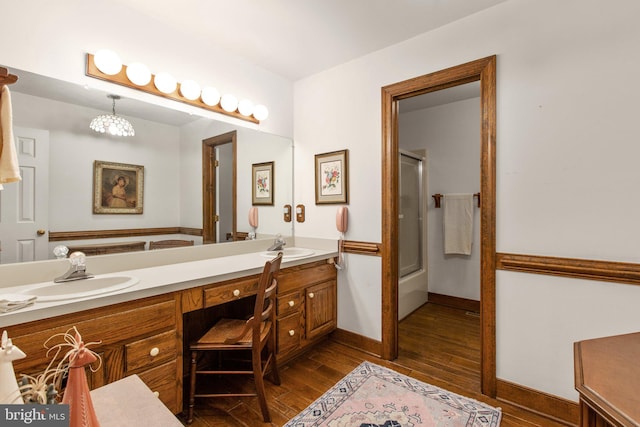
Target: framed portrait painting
[
  {"x": 332, "y": 177},
  {"x": 117, "y": 188},
  {"x": 262, "y": 183}
]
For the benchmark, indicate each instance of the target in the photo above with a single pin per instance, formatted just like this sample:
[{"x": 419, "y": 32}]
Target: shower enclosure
[{"x": 412, "y": 286}]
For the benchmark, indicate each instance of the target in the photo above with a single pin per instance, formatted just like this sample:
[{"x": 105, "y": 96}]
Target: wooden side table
[{"x": 607, "y": 377}]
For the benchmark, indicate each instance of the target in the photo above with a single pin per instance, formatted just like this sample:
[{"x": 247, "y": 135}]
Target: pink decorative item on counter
[{"x": 76, "y": 393}]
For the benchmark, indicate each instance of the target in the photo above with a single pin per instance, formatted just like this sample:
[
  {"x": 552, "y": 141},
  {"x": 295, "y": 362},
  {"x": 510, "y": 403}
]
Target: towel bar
[{"x": 437, "y": 197}]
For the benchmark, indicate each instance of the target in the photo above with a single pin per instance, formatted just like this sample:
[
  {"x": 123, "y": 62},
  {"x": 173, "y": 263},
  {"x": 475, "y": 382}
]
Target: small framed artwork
[
  {"x": 117, "y": 188},
  {"x": 332, "y": 177},
  {"x": 262, "y": 183}
]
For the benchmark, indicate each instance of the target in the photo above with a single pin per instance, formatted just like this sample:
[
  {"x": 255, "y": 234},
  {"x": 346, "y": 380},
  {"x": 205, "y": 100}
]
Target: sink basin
[
  {"x": 289, "y": 253},
  {"x": 81, "y": 288}
]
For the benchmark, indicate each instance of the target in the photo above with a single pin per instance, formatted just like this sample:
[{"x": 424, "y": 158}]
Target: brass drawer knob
[
  {"x": 291, "y": 303},
  {"x": 292, "y": 332},
  {"x": 311, "y": 295},
  {"x": 236, "y": 293},
  {"x": 154, "y": 352}
]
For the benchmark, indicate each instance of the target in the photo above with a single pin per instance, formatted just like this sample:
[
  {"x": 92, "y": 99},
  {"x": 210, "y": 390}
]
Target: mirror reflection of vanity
[{"x": 168, "y": 144}]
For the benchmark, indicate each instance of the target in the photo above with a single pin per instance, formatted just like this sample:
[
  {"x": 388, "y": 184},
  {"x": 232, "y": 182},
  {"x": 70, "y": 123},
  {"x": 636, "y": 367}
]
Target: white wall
[
  {"x": 451, "y": 135},
  {"x": 566, "y": 166},
  {"x": 52, "y": 39}
]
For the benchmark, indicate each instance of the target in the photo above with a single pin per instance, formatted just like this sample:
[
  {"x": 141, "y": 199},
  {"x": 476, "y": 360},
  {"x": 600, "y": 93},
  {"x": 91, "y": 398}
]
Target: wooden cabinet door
[{"x": 321, "y": 309}]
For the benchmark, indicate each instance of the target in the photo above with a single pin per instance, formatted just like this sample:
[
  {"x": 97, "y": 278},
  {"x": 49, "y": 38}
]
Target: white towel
[
  {"x": 9, "y": 169},
  {"x": 11, "y": 302},
  {"x": 458, "y": 223}
]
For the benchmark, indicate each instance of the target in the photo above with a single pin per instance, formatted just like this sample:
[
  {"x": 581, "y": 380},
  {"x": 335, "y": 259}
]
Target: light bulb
[
  {"x": 165, "y": 82},
  {"x": 190, "y": 90},
  {"x": 107, "y": 62},
  {"x": 245, "y": 107},
  {"x": 260, "y": 112},
  {"x": 138, "y": 74},
  {"x": 210, "y": 96},
  {"x": 229, "y": 103}
]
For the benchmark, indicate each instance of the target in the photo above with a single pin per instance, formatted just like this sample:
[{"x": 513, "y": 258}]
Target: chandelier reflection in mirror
[{"x": 111, "y": 123}]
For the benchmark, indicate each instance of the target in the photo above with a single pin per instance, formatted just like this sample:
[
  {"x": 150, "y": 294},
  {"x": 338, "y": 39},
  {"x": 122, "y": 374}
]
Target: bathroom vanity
[{"x": 144, "y": 329}]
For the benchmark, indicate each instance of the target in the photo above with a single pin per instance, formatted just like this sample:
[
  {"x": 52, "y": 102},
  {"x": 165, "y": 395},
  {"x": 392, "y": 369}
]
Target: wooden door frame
[
  {"x": 209, "y": 184},
  {"x": 483, "y": 70}
]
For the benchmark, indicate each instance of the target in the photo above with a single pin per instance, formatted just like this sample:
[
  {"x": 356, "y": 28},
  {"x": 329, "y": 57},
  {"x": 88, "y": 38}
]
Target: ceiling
[
  {"x": 298, "y": 38},
  {"x": 292, "y": 38}
]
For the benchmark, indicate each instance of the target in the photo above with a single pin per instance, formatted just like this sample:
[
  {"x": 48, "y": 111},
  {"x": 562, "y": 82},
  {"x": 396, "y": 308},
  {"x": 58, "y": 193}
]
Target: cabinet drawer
[
  {"x": 163, "y": 380},
  {"x": 110, "y": 325},
  {"x": 151, "y": 351},
  {"x": 230, "y": 292},
  {"x": 289, "y": 303},
  {"x": 289, "y": 333},
  {"x": 296, "y": 278}
]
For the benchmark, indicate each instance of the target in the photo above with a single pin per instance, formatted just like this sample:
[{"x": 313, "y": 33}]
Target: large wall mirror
[{"x": 58, "y": 152}]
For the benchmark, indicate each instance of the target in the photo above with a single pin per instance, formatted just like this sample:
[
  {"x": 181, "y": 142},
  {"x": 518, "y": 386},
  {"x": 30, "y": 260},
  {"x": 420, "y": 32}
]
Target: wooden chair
[
  {"x": 163, "y": 244},
  {"x": 254, "y": 335}
]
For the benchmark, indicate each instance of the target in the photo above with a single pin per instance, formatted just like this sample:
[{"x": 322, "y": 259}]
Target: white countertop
[{"x": 152, "y": 281}]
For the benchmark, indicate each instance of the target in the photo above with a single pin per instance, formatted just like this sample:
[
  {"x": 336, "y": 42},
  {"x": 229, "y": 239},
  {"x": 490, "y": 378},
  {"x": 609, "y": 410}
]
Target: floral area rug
[{"x": 372, "y": 396}]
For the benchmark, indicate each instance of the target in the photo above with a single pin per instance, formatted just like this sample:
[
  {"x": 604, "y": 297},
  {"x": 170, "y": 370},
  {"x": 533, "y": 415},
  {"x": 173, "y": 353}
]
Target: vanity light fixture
[
  {"x": 139, "y": 74},
  {"x": 165, "y": 83},
  {"x": 210, "y": 96},
  {"x": 111, "y": 123},
  {"x": 108, "y": 62},
  {"x": 229, "y": 102},
  {"x": 260, "y": 112},
  {"x": 107, "y": 66},
  {"x": 245, "y": 107},
  {"x": 190, "y": 90}
]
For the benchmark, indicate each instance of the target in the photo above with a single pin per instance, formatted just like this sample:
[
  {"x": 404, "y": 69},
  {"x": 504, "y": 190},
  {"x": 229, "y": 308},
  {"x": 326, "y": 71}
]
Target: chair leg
[
  {"x": 192, "y": 386},
  {"x": 275, "y": 374},
  {"x": 259, "y": 380}
]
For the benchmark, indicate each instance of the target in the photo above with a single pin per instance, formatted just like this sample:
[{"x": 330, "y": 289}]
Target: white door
[{"x": 24, "y": 205}]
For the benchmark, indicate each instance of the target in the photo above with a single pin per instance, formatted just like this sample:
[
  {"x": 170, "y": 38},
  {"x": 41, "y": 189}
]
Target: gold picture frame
[
  {"x": 332, "y": 177},
  {"x": 263, "y": 184},
  {"x": 117, "y": 188}
]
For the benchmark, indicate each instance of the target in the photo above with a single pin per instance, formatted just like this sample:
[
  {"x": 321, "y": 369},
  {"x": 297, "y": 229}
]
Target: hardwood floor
[{"x": 438, "y": 345}]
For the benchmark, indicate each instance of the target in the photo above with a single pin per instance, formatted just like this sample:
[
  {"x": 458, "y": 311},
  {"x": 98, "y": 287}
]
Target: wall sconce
[{"x": 106, "y": 65}]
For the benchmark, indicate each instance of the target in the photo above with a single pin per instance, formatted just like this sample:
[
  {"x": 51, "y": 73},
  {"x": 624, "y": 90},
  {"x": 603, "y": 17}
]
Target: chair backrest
[
  {"x": 265, "y": 298},
  {"x": 162, "y": 244},
  {"x": 264, "y": 307}
]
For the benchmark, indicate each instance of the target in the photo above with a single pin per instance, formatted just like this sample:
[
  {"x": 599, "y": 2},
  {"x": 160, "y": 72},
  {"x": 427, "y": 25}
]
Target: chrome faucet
[
  {"x": 278, "y": 244},
  {"x": 77, "y": 271}
]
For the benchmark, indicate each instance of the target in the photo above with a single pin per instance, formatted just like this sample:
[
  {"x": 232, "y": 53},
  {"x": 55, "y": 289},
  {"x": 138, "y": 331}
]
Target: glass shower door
[{"x": 410, "y": 219}]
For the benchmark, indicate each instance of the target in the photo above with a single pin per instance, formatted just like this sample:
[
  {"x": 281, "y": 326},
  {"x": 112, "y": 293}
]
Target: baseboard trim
[
  {"x": 455, "y": 302},
  {"x": 553, "y": 407},
  {"x": 360, "y": 342}
]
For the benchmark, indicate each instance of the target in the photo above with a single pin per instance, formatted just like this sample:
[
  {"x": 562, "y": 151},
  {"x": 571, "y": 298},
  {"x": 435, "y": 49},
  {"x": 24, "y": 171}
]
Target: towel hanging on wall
[
  {"x": 458, "y": 223},
  {"x": 9, "y": 169}
]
